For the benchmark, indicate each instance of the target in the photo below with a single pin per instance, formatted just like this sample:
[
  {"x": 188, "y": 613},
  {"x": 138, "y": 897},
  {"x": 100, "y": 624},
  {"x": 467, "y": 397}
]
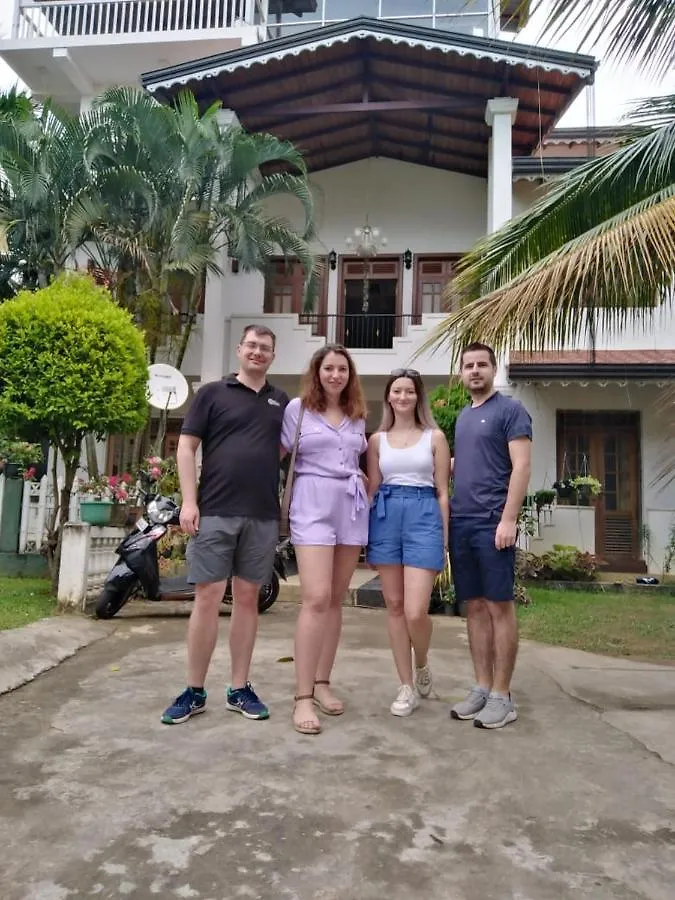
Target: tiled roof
[{"x": 599, "y": 358}]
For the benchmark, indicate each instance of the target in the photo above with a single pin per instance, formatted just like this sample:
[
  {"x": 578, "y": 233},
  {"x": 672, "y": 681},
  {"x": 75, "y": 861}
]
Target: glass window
[
  {"x": 432, "y": 297},
  {"x": 463, "y": 24},
  {"x": 402, "y": 9},
  {"x": 350, "y": 9},
  {"x": 466, "y": 7}
]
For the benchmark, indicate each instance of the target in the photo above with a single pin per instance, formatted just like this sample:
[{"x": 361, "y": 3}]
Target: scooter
[{"x": 136, "y": 572}]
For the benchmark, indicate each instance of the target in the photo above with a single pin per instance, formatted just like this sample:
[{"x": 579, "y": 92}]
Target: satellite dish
[{"x": 167, "y": 387}]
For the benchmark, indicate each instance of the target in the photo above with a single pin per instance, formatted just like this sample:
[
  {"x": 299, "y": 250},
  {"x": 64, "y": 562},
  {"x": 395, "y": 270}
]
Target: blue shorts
[
  {"x": 406, "y": 528},
  {"x": 478, "y": 568}
]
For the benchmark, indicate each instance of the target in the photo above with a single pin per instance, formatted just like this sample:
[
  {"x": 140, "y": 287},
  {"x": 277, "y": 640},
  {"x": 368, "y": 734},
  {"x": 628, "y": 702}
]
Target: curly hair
[{"x": 313, "y": 395}]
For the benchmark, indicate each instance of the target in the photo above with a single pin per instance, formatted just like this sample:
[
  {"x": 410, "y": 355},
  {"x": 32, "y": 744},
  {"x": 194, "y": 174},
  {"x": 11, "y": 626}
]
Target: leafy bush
[
  {"x": 19, "y": 453},
  {"x": 71, "y": 363},
  {"x": 447, "y": 402},
  {"x": 563, "y": 563}
]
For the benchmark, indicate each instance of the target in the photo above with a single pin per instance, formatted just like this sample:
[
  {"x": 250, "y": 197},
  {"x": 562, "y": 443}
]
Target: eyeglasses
[
  {"x": 265, "y": 349},
  {"x": 405, "y": 373}
]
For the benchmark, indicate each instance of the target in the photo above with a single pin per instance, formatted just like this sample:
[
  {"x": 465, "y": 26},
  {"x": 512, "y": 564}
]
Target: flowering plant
[
  {"x": 19, "y": 453},
  {"x": 113, "y": 488},
  {"x": 30, "y": 474},
  {"x": 161, "y": 474}
]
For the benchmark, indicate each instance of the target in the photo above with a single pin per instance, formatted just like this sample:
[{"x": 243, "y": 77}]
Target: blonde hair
[{"x": 423, "y": 415}]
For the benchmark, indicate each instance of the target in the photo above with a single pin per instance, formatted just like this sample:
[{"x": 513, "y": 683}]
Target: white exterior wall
[
  {"x": 416, "y": 207},
  {"x": 425, "y": 210}
]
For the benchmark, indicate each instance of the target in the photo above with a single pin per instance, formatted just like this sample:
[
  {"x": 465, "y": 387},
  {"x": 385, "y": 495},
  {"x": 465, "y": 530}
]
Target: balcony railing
[
  {"x": 447, "y": 15},
  {"x": 80, "y": 18},
  {"x": 361, "y": 331}
]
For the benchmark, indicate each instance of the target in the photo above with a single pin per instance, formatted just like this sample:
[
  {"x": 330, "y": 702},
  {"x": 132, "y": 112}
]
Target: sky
[{"x": 615, "y": 86}]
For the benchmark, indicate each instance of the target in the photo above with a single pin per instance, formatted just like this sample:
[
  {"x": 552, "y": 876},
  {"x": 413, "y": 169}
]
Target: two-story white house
[{"x": 419, "y": 121}]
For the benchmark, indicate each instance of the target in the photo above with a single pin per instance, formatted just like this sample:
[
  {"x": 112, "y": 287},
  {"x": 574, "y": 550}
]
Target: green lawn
[
  {"x": 638, "y": 625},
  {"x": 23, "y": 600}
]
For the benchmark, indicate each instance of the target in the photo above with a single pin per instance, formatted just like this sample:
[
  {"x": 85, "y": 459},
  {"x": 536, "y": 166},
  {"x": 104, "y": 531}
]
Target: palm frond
[
  {"x": 291, "y": 186},
  {"x": 613, "y": 275},
  {"x": 653, "y": 112},
  {"x": 642, "y": 31},
  {"x": 664, "y": 408},
  {"x": 576, "y": 203}
]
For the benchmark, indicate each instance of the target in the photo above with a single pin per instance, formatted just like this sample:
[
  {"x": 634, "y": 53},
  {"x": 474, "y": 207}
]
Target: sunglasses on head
[{"x": 405, "y": 373}]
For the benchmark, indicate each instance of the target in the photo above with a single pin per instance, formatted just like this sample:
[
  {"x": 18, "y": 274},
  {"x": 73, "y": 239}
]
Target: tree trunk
[
  {"x": 187, "y": 330},
  {"x": 71, "y": 459},
  {"x": 92, "y": 460},
  {"x": 52, "y": 527}
]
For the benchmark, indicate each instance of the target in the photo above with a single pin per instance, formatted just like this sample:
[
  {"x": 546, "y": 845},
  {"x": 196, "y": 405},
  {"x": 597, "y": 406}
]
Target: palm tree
[
  {"x": 168, "y": 189},
  {"x": 41, "y": 170},
  {"x": 599, "y": 247}
]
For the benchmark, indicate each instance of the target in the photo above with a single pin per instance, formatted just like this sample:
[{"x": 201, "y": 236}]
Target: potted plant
[
  {"x": 18, "y": 456},
  {"x": 565, "y": 488},
  {"x": 104, "y": 499},
  {"x": 544, "y": 497},
  {"x": 587, "y": 487}
]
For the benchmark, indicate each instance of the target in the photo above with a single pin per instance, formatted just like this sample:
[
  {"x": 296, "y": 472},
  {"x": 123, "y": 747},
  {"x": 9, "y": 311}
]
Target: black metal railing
[{"x": 361, "y": 331}]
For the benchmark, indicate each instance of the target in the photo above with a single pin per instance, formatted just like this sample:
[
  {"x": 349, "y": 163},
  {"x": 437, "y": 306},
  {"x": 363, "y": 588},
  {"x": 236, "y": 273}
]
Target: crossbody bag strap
[{"x": 288, "y": 487}]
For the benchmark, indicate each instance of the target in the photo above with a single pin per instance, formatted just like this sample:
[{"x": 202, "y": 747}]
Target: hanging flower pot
[
  {"x": 544, "y": 498},
  {"x": 587, "y": 487},
  {"x": 565, "y": 488}
]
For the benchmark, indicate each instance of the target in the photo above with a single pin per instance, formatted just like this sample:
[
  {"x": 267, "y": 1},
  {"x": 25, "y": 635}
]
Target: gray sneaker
[
  {"x": 472, "y": 705},
  {"x": 497, "y": 712},
  {"x": 423, "y": 681}
]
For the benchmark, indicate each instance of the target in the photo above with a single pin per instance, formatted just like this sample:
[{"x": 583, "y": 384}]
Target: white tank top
[{"x": 410, "y": 466}]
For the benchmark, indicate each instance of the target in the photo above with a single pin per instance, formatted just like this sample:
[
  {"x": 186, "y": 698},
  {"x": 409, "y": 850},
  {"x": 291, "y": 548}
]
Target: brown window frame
[
  {"x": 290, "y": 274},
  {"x": 447, "y": 263}
]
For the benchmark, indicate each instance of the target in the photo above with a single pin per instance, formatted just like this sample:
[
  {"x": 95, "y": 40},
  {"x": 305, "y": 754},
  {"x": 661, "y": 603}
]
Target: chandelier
[{"x": 366, "y": 243}]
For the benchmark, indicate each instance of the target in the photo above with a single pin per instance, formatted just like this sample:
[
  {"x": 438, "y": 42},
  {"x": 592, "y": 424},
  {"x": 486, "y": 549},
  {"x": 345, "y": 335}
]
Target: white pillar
[
  {"x": 74, "y": 567},
  {"x": 332, "y": 302},
  {"x": 216, "y": 324},
  {"x": 500, "y": 114},
  {"x": 215, "y": 330},
  {"x": 407, "y": 299}
]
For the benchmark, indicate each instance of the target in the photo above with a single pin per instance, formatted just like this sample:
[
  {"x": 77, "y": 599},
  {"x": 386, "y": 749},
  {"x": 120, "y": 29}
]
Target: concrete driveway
[{"x": 98, "y": 799}]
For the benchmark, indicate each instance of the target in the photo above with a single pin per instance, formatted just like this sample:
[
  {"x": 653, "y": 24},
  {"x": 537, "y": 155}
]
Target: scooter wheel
[
  {"x": 112, "y": 599},
  {"x": 268, "y": 594}
]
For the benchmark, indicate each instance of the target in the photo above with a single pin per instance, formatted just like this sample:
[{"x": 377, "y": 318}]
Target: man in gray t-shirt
[{"x": 491, "y": 471}]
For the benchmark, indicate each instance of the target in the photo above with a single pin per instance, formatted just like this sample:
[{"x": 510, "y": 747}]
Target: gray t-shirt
[{"x": 482, "y": 461}]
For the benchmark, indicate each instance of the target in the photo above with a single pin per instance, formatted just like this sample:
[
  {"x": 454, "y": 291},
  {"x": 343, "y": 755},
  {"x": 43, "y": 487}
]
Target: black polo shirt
[{"x": 240, "y": 432}]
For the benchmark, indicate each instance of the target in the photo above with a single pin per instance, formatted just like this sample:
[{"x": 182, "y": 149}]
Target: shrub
[
  {"x": 563, "y": 563},
  {"x": 71, "y": 363},
  {"x": 447, "y": 402}
]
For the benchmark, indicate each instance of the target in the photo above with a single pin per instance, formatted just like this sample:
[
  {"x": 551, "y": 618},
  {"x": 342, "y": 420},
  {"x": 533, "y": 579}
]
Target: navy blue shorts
[
  {"x": 406, "y": 528},
  {"x": 478, "y": 568}
]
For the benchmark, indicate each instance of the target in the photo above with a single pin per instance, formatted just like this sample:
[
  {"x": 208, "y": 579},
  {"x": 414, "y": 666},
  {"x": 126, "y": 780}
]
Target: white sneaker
[
  {"x": 423, "y": 682},
  {"x": 406, "y": 701}
]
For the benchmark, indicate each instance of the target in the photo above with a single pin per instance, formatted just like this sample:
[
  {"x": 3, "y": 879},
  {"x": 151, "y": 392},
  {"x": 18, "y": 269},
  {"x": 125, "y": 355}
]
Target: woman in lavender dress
[{"x": 328, "y": 519}]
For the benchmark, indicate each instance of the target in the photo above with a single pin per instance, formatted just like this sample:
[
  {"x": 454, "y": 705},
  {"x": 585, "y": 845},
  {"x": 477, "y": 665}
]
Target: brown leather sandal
[
  {"x": 329, "y": 710},
  {"x": 306, "y": 727}
]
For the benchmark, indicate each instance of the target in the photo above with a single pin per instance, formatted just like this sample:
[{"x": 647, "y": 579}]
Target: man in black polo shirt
[{"x": 233, "y": 518}]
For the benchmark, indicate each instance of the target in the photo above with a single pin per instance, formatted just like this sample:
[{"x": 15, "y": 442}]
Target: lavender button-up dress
[{"x": 329, "y": 502}]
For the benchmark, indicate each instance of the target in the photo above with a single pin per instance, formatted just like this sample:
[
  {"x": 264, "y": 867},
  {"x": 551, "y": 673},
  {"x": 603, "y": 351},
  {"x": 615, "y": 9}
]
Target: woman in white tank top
[{"x": 408, "y": 477}]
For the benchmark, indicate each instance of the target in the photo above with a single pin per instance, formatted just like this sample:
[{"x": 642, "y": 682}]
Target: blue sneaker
[
  {"x": 246, "y": 701},
  {"x": 188, "y": 704}
]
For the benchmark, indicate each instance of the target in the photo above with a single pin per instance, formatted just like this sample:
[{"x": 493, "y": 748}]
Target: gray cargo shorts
[{"x": 232, "y": 545}]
